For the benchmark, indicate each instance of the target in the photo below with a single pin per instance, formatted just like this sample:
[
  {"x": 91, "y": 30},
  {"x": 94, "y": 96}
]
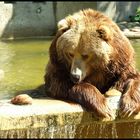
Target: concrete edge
[{"x": 47, "y": 112}]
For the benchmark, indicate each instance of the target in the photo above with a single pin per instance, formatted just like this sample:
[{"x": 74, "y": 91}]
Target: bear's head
[{"x": 87, "y": 42}]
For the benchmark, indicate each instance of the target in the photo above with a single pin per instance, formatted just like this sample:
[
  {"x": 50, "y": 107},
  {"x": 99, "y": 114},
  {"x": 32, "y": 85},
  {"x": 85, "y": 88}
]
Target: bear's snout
[
  {"x": 75, "y": 78},
  {"x": 76, "y": 75}
]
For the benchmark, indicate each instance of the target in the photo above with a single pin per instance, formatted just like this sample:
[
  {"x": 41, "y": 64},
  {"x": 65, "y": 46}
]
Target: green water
[{"x": 24, "y": 65}]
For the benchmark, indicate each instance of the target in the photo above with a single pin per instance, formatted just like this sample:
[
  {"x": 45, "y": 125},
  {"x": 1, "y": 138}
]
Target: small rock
[
  {"x": 126, "y": 30},
  {"x": 135, "y": 29}
]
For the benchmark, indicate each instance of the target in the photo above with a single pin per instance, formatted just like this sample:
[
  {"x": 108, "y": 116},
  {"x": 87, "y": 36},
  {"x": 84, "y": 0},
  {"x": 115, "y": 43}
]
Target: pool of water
[{"x": 24, "y": 64}]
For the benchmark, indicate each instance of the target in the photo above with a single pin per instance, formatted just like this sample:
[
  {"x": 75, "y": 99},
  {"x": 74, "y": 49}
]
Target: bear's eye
[
  {"x": 84, "y": 56},
  {"x": 71, "y": 54}
]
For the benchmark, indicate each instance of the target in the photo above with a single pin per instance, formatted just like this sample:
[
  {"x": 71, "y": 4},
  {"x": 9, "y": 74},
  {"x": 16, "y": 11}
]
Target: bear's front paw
[
  {"x": 128, "y": 106},
  {"x": 91, "y": 98},
  {"x": 21, "y": 99},
  {"x": 103, "y": 111}
]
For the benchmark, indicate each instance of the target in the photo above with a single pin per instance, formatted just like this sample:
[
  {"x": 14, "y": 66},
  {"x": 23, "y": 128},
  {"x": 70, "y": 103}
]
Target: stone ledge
[
  {"x": 49, "y": 118},
  {"x": 130, "y": 29}
]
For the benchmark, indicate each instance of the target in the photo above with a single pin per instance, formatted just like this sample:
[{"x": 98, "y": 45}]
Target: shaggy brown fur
[{"x": 91, "y": 45}]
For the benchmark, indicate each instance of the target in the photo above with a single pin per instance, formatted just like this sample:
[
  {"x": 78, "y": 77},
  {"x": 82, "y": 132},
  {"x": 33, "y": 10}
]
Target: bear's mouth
[{"x": 75, "y": 78}]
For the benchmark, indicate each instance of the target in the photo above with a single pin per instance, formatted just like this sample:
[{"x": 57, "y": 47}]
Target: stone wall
[
  {"x": 39, "y": 19},
  {"x": 27, "y": 19}
]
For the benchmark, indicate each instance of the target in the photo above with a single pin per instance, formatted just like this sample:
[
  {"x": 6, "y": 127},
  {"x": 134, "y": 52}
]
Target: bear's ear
[
  {"x": 62, "y": 24},
  {"x": 104, "y": 32},
  {"x": 62, "y": 27}
]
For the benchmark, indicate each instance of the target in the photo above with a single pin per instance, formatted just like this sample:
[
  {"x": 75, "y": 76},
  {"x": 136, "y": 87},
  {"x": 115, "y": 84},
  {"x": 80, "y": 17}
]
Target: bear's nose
[{"x": 75, "y": 78}]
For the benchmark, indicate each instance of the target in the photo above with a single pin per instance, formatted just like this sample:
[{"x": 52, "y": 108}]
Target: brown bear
[{"x": 89, "y": 56}]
